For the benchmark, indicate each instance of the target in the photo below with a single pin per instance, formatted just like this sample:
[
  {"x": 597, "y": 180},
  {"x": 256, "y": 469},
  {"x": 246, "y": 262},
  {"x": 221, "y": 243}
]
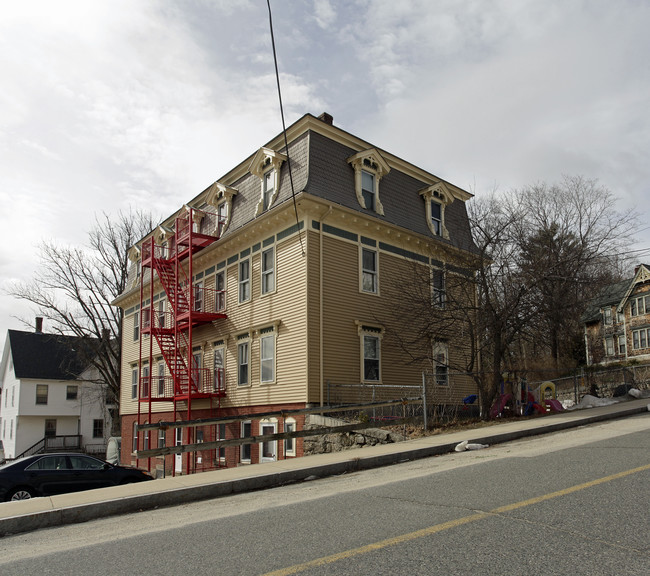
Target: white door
[
  {"x": 268, "y": 450},
  {"x": 178, "y": 459}
]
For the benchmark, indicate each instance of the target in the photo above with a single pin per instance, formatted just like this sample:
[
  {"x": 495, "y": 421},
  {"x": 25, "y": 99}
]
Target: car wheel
[{"x": 20, "y": 494}]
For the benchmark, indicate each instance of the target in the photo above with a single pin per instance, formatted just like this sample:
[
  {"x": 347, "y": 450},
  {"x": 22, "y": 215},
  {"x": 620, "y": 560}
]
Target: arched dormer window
[
  {"x": 266, "y": 166},
  {"x": 436, "y": 199},
  {"x": 220, "y": 196},
  {"x": 369, "y": 168}
]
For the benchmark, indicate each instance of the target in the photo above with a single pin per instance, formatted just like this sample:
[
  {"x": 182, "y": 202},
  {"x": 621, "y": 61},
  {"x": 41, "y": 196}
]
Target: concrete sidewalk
[{"x": 28, "y": 515}]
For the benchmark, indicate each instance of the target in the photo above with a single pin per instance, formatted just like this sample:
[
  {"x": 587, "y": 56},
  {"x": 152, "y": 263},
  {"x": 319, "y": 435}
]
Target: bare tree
[
  {"x": 74, "y": 288},
  {"x": 540, "y": 252}
]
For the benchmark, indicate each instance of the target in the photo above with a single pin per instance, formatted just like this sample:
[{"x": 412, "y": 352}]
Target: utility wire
[{"x": 284, "y": 128}]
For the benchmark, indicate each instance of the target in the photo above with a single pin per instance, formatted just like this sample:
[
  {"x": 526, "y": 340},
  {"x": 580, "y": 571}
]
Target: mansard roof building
[{"x": 269, "y": 290}]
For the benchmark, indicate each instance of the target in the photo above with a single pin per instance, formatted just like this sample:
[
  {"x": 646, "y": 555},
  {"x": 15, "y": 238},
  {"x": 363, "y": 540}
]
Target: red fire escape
[{"x": 189, "y": 305}]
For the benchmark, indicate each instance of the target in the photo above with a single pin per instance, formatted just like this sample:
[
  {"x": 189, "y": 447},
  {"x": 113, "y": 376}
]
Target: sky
[{"x": 107, "y": 105}]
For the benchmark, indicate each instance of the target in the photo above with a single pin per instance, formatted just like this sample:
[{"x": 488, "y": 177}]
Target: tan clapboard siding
[{"x": 313, "y": 315}]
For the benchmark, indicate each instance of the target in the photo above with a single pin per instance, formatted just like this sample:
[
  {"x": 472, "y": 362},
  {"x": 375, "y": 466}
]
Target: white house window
[
  {"x": 244, "y": 281},
  {"x": 243, "y": 360},
  {"x": 369, "y": 270},
  {"x": 136, "y": 326},
  {"x": 198, "y": 297},
  {"x": 161, "y": 438},
  {"x": 268, "y": 185},
  {"x": 246, "y": 432},
  {"x": 371, "y": 351},
  {"x": 98, "y": 428},
  {"x": 219, "y": 369},
  {"x": 609, "y": 346},
  {"x": 368, "y": 190},
  {"x": 268, "y": 270},
  {"x": 621, "y": 345},
  {"x": 221, "y": 435},
  {"x": 436, "y": 199},
  {"x": 134, "y": 447},
  {"x": 607, "y": 315},
  {"x": 71, "y": 392},
  {"x": 161, "y": 313},
  {"x": 220, "y": 292},
  {"x": 50, "y": 427},
  {"x": 266, "y": 166},
  {"x": 438, "y": 291},
  {"x": 134, "y": 383},
  {"x": 369, "y": 168},
  {"x": 436, "y": 217},
  {"x": 441, "y": 363},
  {"x": 290, "y": 443},
  {"x": 267, "y": 356},
  {"x": 41, "y": 393},
  {"x": 640, "y": 339},
  {"x": 161, "y": 379}
]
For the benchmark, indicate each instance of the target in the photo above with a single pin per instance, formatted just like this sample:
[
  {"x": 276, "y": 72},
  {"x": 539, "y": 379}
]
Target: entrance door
[
  {"x": 268, "y": 450},
  {"x": 178, "y": 458}
]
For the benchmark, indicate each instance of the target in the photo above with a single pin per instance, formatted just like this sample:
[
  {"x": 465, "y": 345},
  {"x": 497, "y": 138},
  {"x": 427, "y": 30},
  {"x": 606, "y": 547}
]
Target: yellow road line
[{"x": 450, "y": 524}]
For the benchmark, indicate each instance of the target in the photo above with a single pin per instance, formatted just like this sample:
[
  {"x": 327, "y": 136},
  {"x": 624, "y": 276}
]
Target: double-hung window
[
  {"x": 161, "y": 379},
  {"x": 220, "y": 292},
  {"x": 244, "y": 281},
  {"x": 219, "y": 369},
  {"x": 441, "y": 363},
  {"x": 267, "y": 356},
  {"x": 98, "y": 428},
  {"x": 290, "y": 443},
  {"x": 41, "y": 393},
  {"x": 621, "y": 345},
  {"x": 438, "y": 288},
  {"x": 436, "y": 217},
  {"x": 134, "y": 383},
  {"x": 136, "y": 326},
  {"x": 371, "y": 358},
  {"x": 368, "y": 189},
  {"x": 268, "y": 270},
  {"x": 268, "y": 181},
  {"x": 607, "y": 314},
  {"x": 246, "y": 431},
  {"x": 71, "y": 392},
  {"x": 198, "y": 297},
  {"x": 243, "y": 361},
  {"x": 609, "y": 346},
  {"x": 369, "y": 270}
]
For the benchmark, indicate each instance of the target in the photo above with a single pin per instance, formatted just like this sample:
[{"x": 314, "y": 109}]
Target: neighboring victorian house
[
  {"x": 617, "y": 322},
  {"x": 49, "y": 400},
  {"x": 271, "y": 285}
]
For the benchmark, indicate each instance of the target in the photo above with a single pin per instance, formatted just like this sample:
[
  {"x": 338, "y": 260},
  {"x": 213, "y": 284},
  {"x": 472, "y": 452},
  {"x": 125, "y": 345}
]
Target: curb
[{"x": 64, "y": 515}]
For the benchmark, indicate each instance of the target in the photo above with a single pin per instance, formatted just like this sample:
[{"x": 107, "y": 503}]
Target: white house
[{"x": 48, "y": 399}]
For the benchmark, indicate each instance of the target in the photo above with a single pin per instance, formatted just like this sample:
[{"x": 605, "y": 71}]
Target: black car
[{"x": 49, "y": 474}]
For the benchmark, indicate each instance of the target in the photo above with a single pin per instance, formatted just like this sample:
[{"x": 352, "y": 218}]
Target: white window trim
[
  {"x": 375, "y": 331},
  {"x": 440, "y": 349},
  {"x": 243, "y": 460},
  {"x": 265, "y": 273},
  {"x": 271, "y": 333},
  {"x": 135, "y": 382},
  {"x": 219, "y": 194},
  {"x": 240, "y": 282},
  {"x": 267, "y": 159},
  {"x": 220, "y": 346},
  {"x": 440, "y": 194},
  {"x": 370, "y": 161},
  {"x": 362, "y": 270},
  {"x": 221, "y": 293},
  {"x": 436, "y": 300},
  {"x": 292, "y": 451},
  {"x": 240, "y": 341}
]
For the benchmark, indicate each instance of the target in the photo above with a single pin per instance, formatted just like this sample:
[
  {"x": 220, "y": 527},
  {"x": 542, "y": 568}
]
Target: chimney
[
  {"x": 39, "y": 325},
  {"x": 327, "y": 118}
]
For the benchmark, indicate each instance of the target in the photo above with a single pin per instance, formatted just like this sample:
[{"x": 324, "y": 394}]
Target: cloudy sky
[{"x": 106, "y": 105}]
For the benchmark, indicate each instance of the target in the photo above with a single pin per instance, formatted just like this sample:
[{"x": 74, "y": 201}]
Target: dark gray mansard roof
[
  {"x": 48, "y": 356},
  {"x": 610, "y": 296},
  {"x": 331, "y": 177}
]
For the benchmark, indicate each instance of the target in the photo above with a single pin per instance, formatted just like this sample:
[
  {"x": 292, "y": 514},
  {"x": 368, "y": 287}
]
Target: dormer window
[
  {"x": 220, "y": 196},
  {"x": 266, "y": 166},
  {"x": 436, "y": 199},
  {"x": 369, "y": 168}
]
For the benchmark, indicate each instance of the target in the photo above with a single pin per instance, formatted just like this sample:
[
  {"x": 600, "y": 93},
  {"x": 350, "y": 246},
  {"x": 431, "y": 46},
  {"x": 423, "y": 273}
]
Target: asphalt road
[{"x": 570, "y": 503}]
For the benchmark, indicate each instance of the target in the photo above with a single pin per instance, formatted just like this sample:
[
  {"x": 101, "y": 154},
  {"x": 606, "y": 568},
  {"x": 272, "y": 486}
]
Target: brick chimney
[
  {"x": 39, "y": 325},
  {"x": 327, "y": 118}
]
